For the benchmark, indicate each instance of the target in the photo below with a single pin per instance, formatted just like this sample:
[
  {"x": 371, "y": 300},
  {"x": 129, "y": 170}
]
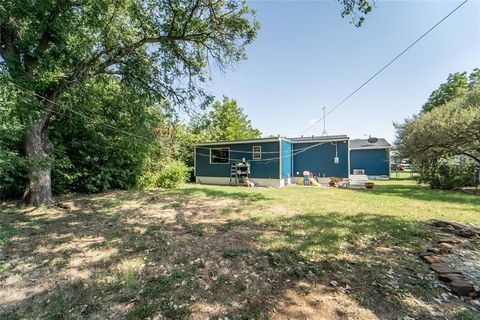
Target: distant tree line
[{"x": 443, "y": 140}]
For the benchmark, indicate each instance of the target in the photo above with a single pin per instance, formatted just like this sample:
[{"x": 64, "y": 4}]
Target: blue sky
[{"x": 306, "y": 56}]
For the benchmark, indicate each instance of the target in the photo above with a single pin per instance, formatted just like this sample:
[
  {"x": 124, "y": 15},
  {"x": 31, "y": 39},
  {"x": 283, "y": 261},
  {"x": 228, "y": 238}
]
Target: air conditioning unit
[{"x": 358, "y": 171}]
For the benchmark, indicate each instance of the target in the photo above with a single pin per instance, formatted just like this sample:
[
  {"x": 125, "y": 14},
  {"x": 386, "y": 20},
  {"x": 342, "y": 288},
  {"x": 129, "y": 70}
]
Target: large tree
[
  {"x": 457, "y": 84},
  {"x": 450, "y": 132},
  {"x": 51, "y": 47},
  {"x": 227, "y": 121}
]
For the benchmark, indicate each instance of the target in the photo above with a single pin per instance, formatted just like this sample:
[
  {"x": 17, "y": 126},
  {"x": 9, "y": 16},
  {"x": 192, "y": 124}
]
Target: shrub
[
  {"x": 171, "y": 175},
  {"x": 13, "y": 175},
  {"x": 450, "y": 174}
]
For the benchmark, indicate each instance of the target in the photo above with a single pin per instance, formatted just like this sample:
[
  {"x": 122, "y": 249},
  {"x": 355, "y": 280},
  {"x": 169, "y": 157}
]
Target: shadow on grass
[
  {"x": 250, "y": 195},
  {"x": 332, "y": 233},
  {"x": 424, "y": 193},
  {"x": 236, "y": 268}
]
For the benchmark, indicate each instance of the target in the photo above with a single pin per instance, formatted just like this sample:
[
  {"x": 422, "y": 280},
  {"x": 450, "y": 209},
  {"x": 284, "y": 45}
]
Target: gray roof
[
  {"x": 364, "y": 144},
  {"x": 319, "y": 138},
  {"x": 259, "y": 140}
]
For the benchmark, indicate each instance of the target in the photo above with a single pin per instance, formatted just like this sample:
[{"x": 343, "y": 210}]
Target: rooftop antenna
[{"x": 324, "y": 133}]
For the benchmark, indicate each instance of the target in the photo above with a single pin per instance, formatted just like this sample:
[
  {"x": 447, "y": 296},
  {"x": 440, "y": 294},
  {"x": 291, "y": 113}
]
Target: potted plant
[
  {"x": 333, "y": 181},
  {"x": 369, "y": 185}
]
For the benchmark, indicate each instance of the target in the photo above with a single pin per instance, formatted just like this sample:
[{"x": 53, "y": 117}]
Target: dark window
[
  {"x": 220, "y": 155},
  {"x": 257, "y": 152}
]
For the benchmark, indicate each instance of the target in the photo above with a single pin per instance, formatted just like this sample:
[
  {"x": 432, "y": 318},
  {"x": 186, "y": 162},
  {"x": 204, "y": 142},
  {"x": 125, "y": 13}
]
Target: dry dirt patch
[{"x": 156, "y": 254}]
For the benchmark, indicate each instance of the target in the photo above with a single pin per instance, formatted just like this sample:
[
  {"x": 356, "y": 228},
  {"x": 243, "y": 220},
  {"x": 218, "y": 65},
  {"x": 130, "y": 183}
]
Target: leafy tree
[
  {"x": 51, "y": 48},
  {"x": 93, "y": 152},
  {"x": 451, "y": 132},
  {"x": 227, "y": 121},
  {"x": 457, "y": 84}
]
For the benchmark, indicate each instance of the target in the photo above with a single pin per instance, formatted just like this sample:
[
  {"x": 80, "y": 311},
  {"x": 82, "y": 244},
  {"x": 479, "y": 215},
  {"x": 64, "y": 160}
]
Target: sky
[{"x": 306, "y": 56}]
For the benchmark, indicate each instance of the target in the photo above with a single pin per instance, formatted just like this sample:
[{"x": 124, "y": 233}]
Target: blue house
[
  {"x": 371, "y": 159},
  {"x": 273, "y": 161}
]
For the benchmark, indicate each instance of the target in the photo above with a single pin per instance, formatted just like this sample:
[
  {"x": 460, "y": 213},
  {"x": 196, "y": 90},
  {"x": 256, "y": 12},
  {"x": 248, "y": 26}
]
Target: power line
[
  {"x": 298, "y": 151},
  {"x": 386, "y": 66},
  {"x": 112, "y": 128}
]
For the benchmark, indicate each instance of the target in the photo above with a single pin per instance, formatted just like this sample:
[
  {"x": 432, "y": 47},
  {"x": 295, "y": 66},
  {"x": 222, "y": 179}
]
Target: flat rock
[
  {"x": 448, "y": 224},
  {"x": 445, "y": 245},
  {"x": 450, "y": 277},
  {"x": 451, "y": 239},
  {"x": 462, "y": 287},
  {"x": 466, "y": 233},
  {"x": 442, "y": 268},
  {"x": 430, "y": 259},
  {"x": 438, "y": 249},
  {"x": 426, "y": 253}
]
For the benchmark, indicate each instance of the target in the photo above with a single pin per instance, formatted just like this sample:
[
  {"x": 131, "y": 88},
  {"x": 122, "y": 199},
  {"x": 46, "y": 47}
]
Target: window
[
  {"x": 220, "y": 155},
  {"x": 257, "y": 152}
]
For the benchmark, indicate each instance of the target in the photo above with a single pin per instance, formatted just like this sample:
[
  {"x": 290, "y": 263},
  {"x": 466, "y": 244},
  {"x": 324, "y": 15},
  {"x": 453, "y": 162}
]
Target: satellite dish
[{"x": 372, "y": 140}]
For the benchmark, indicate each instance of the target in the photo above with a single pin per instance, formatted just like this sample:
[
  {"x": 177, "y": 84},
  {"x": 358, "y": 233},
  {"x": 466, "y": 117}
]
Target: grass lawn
[
  {"x": 403, "y": 175},
  {"x": 210, "y": 251}
]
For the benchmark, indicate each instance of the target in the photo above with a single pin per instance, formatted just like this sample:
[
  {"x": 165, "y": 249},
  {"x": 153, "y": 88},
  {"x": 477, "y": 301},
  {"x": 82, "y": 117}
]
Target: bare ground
[{"x": 174, "y": 255}]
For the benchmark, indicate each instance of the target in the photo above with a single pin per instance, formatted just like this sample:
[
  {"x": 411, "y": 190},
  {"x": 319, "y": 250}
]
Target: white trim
[
  {"x": 221, "y": 143},
  {"x": 195, "y": 161},
  {"x": 389, "y": 166},
  {"x": 321, "y": 140},
  {"x": 370, "y": 148},
  {"x": 210, "y": 157},
  {"x": 280, "y": 156},
  {"x": 253, "y": 153},
  {"x": 348, "y": 159},
  {"x": 226, "y": 181}
]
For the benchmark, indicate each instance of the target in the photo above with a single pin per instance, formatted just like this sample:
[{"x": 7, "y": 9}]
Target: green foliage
[
  {"x": 227, "y": 121},
  {"x": 105, "y": 146},
  {"x": 111, "y": 63},
  {"x": 170, "y": 175},
  {"x": 450, "y": 174},
  {"x": 356, "y": 9},
  {"x": 457, "y": 85},
  {"x": 433, "y": 139},
  {"x": 13, "y": 167}
]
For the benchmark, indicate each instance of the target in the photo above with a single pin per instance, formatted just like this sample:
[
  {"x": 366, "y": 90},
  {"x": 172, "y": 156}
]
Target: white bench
[{"x": 358, "y": 180}]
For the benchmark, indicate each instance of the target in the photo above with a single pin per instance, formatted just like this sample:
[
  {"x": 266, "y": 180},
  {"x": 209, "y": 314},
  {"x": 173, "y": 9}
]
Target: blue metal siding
[
  {"x": 375, "y": 162},
  {"x": 286, "y": 159},
  {"x": 264, "y": 168},
  {"x": 319, "y": 159}
]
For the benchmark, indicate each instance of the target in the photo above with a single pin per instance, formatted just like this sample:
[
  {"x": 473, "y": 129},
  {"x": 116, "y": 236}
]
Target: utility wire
[
  {"x": 152, "y": 141},
  {"x": 110, "y": 127},
  {"x": 298, "y": 151},
  {"x": 386, "y": 66}
]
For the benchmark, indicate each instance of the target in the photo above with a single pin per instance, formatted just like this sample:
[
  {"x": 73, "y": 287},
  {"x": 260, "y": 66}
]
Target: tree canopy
[
  {"x": 445, "y": 140},
  {"x": 51, "y": 49},
  {"x": 457, "y": 85},
  {"x": 226, "y": 121}
]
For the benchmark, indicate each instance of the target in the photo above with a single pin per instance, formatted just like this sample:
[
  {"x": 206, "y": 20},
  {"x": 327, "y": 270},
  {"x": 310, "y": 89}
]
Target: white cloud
[{"x": 312, "y": 121}]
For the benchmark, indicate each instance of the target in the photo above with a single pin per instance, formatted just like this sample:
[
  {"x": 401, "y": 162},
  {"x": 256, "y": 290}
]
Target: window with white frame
[
  {"x": 221, "y": 155},
  {"x": 257, "y": 152}
]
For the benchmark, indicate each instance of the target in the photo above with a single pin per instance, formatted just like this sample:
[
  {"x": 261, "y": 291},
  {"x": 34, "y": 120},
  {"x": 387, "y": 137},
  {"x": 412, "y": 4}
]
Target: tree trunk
[{"x": 37, "y": 148}]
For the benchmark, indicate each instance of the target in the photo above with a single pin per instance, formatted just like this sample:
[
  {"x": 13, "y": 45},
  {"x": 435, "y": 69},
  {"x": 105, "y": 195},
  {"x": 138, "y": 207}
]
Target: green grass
[
  {"x": 403, "y": 175},
  {"x": 402, "y": 200},
  {"x": 246, "y": 245}
]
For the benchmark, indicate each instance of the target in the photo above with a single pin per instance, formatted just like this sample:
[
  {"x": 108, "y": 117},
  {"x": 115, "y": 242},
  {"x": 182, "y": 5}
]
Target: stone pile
[{"x": 433, "y": 256}]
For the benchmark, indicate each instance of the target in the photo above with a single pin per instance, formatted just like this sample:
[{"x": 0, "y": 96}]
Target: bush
[
  {"x": 13, "y": 175},
  {"x": 171, "y": 175},
  {"x": 449, "y": 174}
]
